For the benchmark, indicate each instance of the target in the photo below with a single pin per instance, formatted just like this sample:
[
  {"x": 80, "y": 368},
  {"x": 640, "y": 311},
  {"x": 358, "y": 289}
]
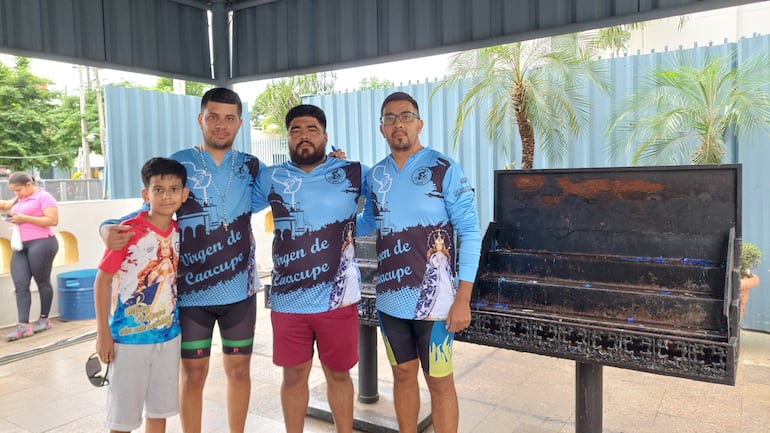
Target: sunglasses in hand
[{"x": 93, "y": 368}]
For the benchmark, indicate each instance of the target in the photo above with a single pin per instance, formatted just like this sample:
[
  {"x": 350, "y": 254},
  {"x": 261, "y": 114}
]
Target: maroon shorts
[{"x": 334, "y": 332}]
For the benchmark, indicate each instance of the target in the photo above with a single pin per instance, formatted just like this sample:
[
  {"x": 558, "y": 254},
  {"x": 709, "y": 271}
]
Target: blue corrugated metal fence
[{"x": 141, "y": 124}]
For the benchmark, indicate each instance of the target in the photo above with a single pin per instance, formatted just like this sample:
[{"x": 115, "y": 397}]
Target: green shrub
[{"x": 751, "y": 255}]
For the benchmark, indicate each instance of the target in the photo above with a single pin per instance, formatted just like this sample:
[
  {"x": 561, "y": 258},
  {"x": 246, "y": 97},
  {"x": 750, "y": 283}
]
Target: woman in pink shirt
[{"x": 34, "y": 211}]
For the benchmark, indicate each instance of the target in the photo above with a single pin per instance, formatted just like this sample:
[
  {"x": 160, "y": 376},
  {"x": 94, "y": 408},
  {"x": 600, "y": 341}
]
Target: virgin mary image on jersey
[
  {"x": 437, "y": 289},
  {"x": 345, "y": 289}
]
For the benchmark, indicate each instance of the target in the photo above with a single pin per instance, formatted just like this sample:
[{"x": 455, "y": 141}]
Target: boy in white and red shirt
[{"x": 136, "y": 313}]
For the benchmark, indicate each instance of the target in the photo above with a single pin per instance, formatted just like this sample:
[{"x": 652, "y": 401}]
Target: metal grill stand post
[
  {"x": 588, "y": 397},
  {"x": 367, "y": 364}
]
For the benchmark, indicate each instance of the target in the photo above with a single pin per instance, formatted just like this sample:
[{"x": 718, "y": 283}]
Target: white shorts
[{"x": 143, "y": 377}]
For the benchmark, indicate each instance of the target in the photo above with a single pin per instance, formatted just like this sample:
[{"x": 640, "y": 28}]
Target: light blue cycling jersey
[
  {"x": 417, "y": 211},
  {"x": 314, "y": 267},
  {"x": 217, "y": 265}
]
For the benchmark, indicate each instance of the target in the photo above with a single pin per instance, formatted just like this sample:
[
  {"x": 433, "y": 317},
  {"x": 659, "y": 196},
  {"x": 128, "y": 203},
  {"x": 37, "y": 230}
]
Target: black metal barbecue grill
[{"x": 626, "y": 267}]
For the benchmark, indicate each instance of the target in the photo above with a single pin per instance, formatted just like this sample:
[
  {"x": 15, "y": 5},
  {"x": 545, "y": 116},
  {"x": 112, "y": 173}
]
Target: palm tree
[
  {"x": 683, "y": 114},
  {"x": 617, "y": 38},
  {"x": 536, "y": 85}
]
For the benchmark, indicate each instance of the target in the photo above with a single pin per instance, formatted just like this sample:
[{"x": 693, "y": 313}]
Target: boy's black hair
[
  {"x": 223, "y": 96},
  {"x": 163, "y": 167},
  {"x": 306, "y": 110},
  {"x": 400, "y": 96}
]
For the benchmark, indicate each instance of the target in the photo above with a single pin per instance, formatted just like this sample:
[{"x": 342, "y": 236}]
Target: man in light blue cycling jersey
[{"x": 421, "y": 201}]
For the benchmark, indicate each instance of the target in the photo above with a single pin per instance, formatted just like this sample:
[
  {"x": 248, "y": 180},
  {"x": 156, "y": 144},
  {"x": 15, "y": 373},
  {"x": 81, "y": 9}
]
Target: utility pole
[
  {"x": 102, "y": 137},
  {"x": 86, "y": 152},
  {"x": 179, "y": 86}
]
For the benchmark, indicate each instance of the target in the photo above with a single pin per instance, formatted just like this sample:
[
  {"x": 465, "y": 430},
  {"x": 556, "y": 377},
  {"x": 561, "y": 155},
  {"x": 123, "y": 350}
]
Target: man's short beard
[
  {"x": 217, "y": 146},
  {"x": 307, "y": 158},
  {"x": 400, "y": 144}
]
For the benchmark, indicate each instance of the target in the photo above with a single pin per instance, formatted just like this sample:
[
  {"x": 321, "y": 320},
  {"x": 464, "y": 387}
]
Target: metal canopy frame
[{"x": 229, "y": 41}]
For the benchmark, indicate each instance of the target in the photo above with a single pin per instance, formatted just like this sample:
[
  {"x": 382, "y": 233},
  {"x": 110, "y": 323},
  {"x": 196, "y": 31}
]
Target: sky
[{"x": 66, "y": 76}]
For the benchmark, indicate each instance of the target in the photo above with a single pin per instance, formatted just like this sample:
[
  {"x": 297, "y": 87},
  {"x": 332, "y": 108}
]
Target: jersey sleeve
[
  {"x": 145, "y": 207},
  {"x": 460, "y": 202},
  {"x": 111, "y": 260},
  {"x": 259, "y": 192}
]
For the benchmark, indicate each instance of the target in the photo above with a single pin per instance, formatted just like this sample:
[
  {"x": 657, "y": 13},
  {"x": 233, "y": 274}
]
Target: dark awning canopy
[{"x": 230, "y": 41}]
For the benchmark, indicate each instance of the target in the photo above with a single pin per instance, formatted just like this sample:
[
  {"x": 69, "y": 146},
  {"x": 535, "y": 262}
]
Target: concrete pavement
[{"x": 43, "y": 388}]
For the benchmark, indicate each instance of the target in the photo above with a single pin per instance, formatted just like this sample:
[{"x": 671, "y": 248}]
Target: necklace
[{"x": 225, "y": 224}]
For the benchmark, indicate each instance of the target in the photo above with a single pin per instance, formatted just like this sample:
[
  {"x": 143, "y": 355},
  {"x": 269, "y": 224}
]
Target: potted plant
[{"x": 750, "y": 258}]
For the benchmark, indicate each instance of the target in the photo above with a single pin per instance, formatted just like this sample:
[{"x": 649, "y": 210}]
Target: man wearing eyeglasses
[{"x": 421, "y": 201}]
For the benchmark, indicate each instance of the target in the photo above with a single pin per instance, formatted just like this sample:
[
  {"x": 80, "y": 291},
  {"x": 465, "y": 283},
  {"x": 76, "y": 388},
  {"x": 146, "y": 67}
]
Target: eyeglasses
[
  {"x": 405, "y": 117},
  {"x": 93, "y": 368}
]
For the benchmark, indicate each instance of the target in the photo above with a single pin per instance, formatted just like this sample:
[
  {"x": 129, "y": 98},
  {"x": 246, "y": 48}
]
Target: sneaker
[
  {"x": 22, "y": 330},
  {"x": 41, "y": 324}
]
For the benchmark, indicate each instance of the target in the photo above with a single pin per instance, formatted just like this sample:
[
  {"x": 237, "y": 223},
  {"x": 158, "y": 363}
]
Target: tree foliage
[
  {"x": 534, "y": 85},
  {"x": 271, "y": 106},
  {"x": 68, "y": 131},
  {"x": 191, "y": 88},
  {"x": 617, "y": 38},
  {"x": 26, "y": 111},
  {"x": 40, "y": 128},
  {"x": 682, "y": 114},
  {"x": 372, "y": 83}
]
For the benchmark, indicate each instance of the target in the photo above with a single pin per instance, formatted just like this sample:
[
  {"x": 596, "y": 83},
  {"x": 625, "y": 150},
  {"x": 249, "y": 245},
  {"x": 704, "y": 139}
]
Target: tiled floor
[{"x": 45, "y": 390}]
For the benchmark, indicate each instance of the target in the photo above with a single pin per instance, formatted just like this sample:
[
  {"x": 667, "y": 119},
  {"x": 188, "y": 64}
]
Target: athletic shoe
[
  {"x": 22, "y": 330},
  {"x": 41, "y": 324}
]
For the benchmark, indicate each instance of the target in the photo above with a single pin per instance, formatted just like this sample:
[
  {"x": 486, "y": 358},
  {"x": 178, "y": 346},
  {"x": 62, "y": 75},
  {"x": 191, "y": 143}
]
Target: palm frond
[{"x": 692, "y": 108}]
